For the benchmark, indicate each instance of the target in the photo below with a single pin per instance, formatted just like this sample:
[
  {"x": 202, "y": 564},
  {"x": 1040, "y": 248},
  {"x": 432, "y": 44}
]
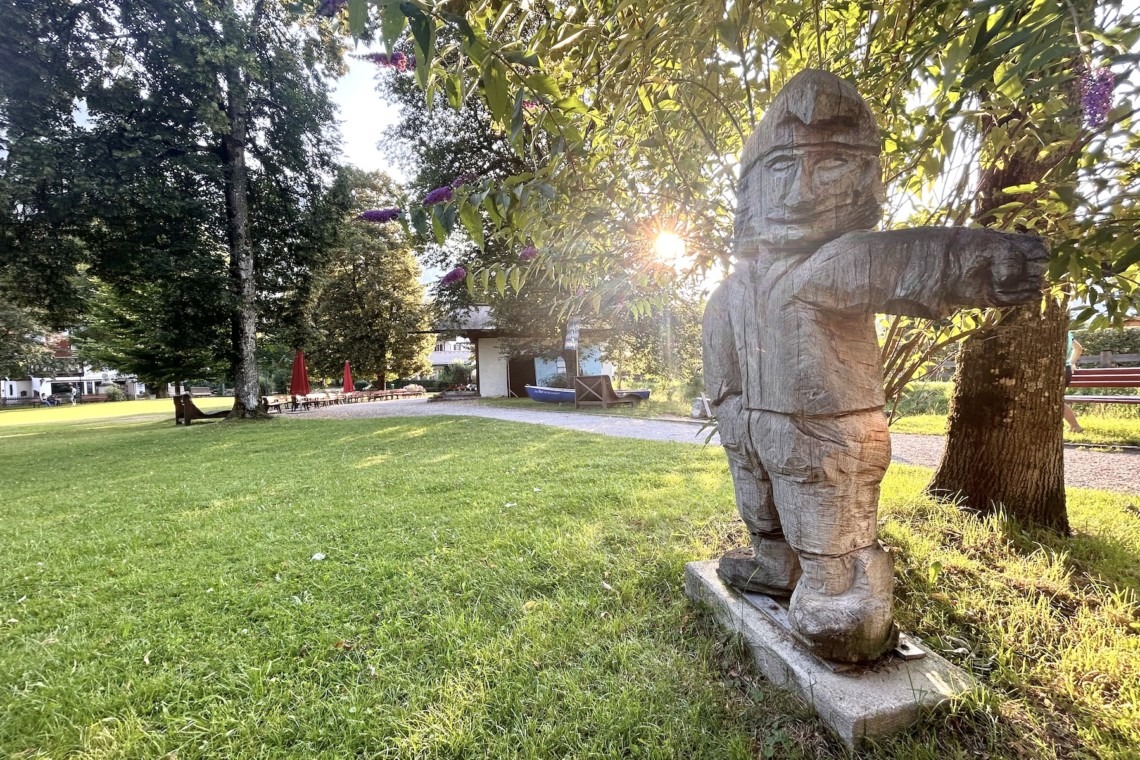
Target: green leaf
[
  {"x": 501, "y": 282},
  {"x": 495, "y": 84},
  {"x": 392, "y": 22},
  {"x": 485, "y": 280},
  {"x": 516, "y": 279},
  {"x": 1130, "y": 257},
  {"x": 572, "y": 105},
  {"x": 423, "y": 31},
  {"x": 543, "y": 84},
  {"x": 438, "y": 230},
  {"x": 420, "y": 221},
  {"x": 524, "y": 58},
  {"x": 450, "y": 215},
  {"x": 357, "y": 17},
  {"x": 473, "y": 222},
  {"x": 1028, "y": 187}
]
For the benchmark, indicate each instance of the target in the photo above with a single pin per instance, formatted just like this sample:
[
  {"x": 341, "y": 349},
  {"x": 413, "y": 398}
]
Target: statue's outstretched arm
[{"x": 924, "y": 271}]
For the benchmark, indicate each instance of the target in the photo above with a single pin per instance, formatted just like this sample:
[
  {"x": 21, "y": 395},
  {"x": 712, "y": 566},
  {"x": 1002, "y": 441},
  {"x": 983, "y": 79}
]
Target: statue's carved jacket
[{"x": 795, "y": 334}]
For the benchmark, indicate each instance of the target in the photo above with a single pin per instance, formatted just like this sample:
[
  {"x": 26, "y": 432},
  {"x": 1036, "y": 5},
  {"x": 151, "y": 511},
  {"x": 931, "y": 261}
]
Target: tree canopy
[
  {"x": 629, "y": 115},
  {"x": 370, "y": 307},
  {"x": 178, "y": 156}
]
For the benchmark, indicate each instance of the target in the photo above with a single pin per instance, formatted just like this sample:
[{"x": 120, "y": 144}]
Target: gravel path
[{"x": 1084, "y": 468}]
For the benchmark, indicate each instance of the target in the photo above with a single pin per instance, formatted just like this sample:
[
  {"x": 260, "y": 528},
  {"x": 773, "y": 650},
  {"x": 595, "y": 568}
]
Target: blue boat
[
  {"x": 566, "y": 395},
  {"x": 550, "y": 395}
]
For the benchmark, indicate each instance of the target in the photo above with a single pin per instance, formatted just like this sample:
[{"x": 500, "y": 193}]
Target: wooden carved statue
[{"x": 792, "y": 364}]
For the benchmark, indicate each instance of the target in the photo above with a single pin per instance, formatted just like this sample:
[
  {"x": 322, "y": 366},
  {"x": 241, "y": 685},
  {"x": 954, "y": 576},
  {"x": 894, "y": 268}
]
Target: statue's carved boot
[
  {"x": 770, "y": 566},
  {"x": 841, "y": 607}
]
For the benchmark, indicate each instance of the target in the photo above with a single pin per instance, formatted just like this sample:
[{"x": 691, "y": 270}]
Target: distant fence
[
  {"x": 1107, "y": 359},
  {"x": 945, "y": 370}
]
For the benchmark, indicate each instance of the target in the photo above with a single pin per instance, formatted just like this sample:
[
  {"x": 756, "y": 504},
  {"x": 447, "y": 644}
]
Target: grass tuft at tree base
[{"x": 458, "y": 587}]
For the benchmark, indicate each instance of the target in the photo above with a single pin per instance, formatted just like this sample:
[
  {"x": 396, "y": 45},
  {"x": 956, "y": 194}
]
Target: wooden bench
[
  {"x": 200, "y": 391},
  {"x": 598, "y": 390},
  {"x": 186, "y": 411},
  {"x": 273, "y": 403},
  {"x": 1104, "y": 377}
]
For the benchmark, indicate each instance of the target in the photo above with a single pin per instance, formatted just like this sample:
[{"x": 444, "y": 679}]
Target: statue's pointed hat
[{"x": 814, "y": 107}]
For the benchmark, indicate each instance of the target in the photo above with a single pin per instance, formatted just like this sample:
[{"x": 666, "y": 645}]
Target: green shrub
[
  {"x": 113, "y": 392},
  {"x": 557, "y": 380},
  {"x": 921, "y": 397},
  {"x": 1116, "y": 341}
]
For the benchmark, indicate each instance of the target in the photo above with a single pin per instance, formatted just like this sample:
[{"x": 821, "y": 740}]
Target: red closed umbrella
[
  {"x": 348, "y": 386},
  {"x": 299, "y": 384}
]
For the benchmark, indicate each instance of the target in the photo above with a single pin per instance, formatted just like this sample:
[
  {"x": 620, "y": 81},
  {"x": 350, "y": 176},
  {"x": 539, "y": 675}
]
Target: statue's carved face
[{"x": 798, "y": 198}]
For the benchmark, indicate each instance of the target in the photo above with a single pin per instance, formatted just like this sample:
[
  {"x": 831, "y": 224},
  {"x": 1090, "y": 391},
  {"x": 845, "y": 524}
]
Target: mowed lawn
[{"x": 456, "y": 587}]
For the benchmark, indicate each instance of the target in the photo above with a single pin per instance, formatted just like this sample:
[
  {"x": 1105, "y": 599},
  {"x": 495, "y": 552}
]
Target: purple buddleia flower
[
  {"x": 462, "y": 179},
  {"x": 380, "y": 215},
  {"x": 399, "y": 61},
  {"x": 529, "y": 105},
  {"x": 439, "y": 195},
  {"x": 329, "y": 8},
  {"x": 455, "y": 275},
  {"x": 530, "y": 253},
  {"x": 380, "y": 59},
  {"x": 1096, "y": 95}
]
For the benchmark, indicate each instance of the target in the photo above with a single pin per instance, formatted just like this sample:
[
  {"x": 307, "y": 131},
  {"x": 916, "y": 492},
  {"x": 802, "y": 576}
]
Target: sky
[{"x": 363, "y": 117}]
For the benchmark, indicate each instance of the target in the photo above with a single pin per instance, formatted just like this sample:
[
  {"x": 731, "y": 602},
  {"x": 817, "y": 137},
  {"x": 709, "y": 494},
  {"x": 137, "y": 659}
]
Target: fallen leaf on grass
[{"x": 317, "y": 557}]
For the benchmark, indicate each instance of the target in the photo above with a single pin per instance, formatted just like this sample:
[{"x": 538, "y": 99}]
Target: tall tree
[
  {"x": 22, "y": 347},
  {"x": 165, "y": 331},
  {"x": 190, "y": 140},
  {"x": 370, "y": 309}
]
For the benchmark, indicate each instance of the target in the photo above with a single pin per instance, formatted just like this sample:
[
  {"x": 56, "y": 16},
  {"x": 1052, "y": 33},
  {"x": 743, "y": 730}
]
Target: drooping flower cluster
[
  {"x": 398, "y": 61},
  {"x": 380, "y": 215},
  {"x": 439, "y": 195},
  {"x": 529, "y": 105},
  {"x": 462, "y": 179},
  {"x": 1096, "y": 95},
  {"x": 459, "y": 274},
  {"x": 530, "y": 253},
  {"x": 329, "y": 8}
]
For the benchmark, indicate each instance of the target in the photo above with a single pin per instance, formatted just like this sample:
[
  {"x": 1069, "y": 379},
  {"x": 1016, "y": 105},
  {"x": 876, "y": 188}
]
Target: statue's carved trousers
[{"x": 813, "y": 479}]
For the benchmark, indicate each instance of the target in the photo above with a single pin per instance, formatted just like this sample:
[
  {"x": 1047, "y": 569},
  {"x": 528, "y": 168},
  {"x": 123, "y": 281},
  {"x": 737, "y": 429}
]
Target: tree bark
[
  {"x": 242, "y": 281},
  {"x": 1004, "y": 442},
  {"x": 382, "y": 377}
]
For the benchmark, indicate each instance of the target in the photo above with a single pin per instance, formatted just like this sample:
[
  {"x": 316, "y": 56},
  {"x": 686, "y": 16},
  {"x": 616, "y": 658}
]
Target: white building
[
  {"x": 499, "y": 375},
  {"x": 89, "y": 380},
  {"x": 451, "y": 351}
]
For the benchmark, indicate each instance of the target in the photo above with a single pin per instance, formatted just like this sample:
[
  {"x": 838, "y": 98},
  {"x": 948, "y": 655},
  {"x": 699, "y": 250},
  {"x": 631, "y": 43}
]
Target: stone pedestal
[{"x": 867, "y": 703}]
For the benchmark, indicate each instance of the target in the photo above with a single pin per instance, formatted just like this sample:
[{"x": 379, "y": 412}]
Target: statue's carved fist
[{"x": 1018, "y": 269}]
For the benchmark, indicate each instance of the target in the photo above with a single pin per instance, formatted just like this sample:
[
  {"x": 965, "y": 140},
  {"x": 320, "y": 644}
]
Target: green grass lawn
[
  {"x": 1097, "y": 430},
  {"x": 487, "y": 590},
  {"x": 151, "y": 409}
]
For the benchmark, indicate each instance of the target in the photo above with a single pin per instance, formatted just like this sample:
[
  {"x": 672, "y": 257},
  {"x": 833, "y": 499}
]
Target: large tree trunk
[
  {"x": 382, "y": 375},
  {"x": 242, "y": 282},
  {"x": 1004, "y": 442}
]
